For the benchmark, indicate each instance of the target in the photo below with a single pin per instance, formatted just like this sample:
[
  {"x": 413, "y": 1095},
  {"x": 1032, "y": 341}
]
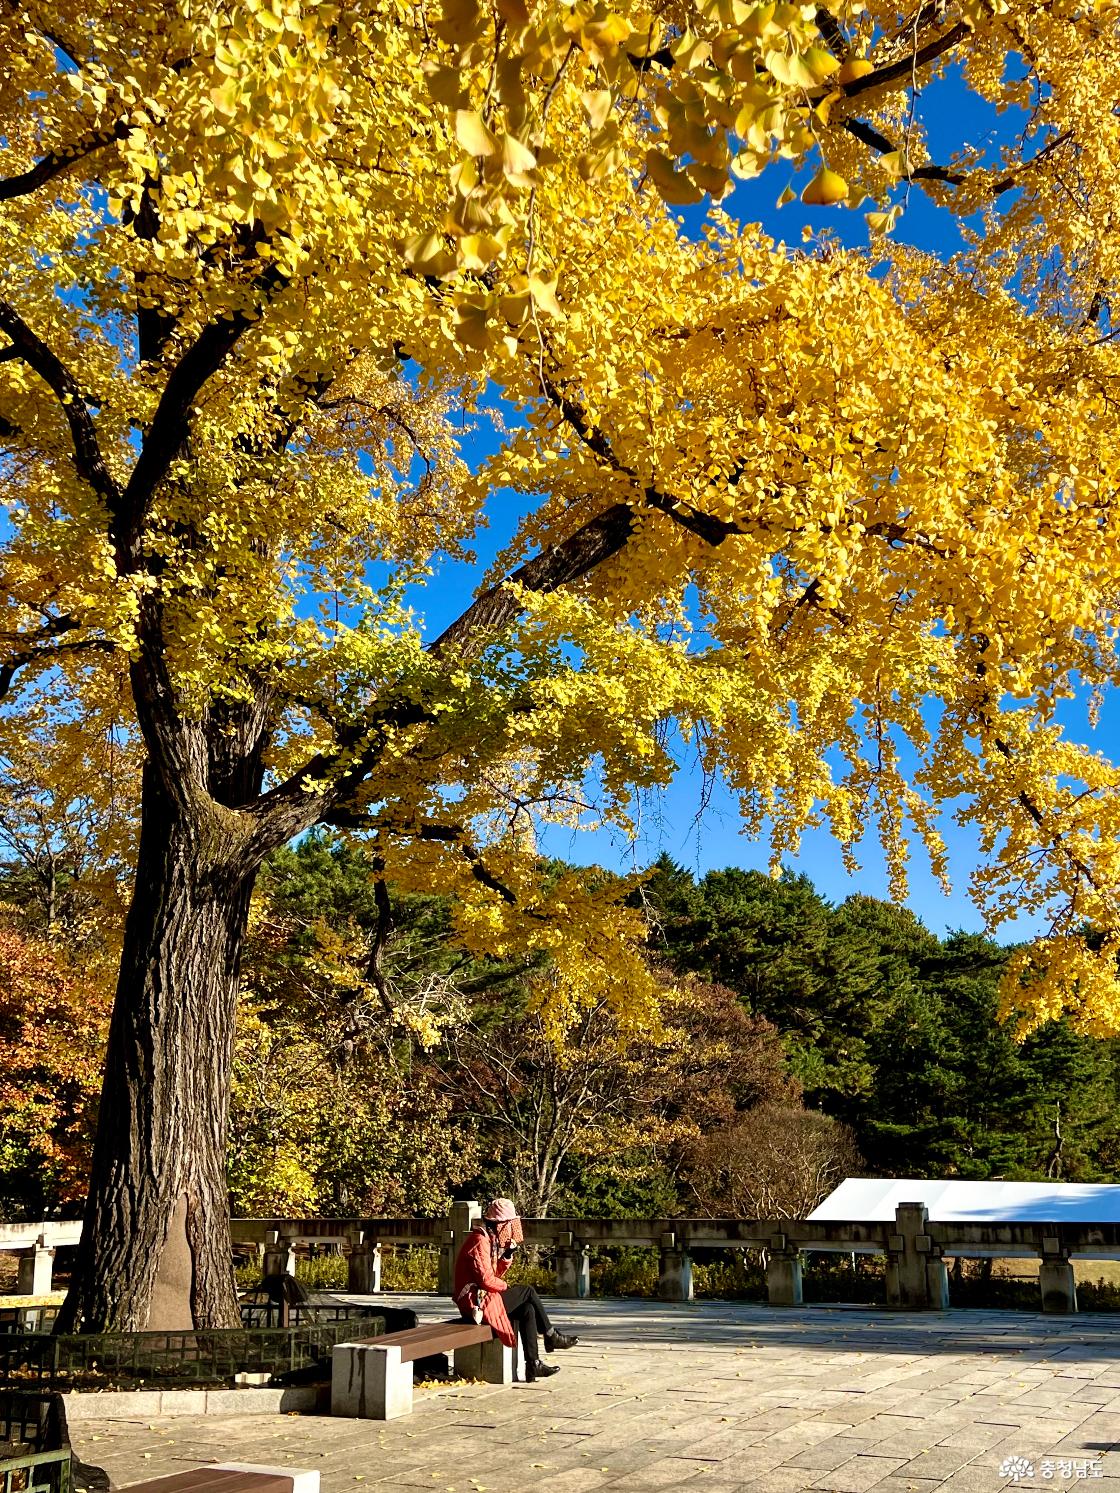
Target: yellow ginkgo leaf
[
  {"x": 544, "y": 295},
  {"x": 854, "y": 69},
  {"x": 517, "y": 161},
  {"x": 472, "y": 133},
  {"x": 673, "y": 186},
  {"x": 826, "y": 189},
  {"x": 819, "y": 63},
  {"x": 597, "y": 105},
  {"x": 883, "y": 222}
]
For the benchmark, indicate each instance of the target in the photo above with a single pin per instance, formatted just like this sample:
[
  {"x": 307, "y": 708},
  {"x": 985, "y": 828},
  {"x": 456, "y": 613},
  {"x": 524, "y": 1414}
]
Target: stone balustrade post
[
  {"x": 916, "y": 1278},
  {"x": 36, "y": 1268},
  {"x": 674, "y": 1275},
  {"x": 363, "y": 1271},
  {"x": 783, "y": 1273},
  {"x": 459, "y": 1221},
  {"x": 573, "y": 1269},
  {"x": 1056, "y": 1279},
  {"x": 279, "y": 1254}
]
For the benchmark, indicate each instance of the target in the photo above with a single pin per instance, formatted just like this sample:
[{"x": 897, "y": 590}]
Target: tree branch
[
  {"x": 904, "y": 68},
  {"x": 170, "y": 425},
  {"x": 55, "y": 162},
  {"x": 88, "y": 460},
  {"x": 42, "y": 649},
  {"x": 448, "y": 834}
]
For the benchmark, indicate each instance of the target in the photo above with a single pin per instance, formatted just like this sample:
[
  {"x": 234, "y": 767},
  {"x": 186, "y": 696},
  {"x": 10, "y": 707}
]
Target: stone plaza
[{"x": 711, "y": 1396}]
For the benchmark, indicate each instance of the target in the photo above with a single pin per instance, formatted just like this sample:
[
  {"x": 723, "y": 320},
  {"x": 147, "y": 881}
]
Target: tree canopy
[{"x": 844, "y": 521}]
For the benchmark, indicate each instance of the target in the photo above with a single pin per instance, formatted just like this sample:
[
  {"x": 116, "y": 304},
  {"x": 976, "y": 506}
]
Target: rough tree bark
[{"x": 155, "y": 1248}]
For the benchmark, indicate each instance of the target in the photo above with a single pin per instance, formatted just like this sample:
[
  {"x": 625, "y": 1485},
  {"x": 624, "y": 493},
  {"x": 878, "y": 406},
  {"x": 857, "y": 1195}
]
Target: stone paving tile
[
  {"x": 826, "y": 1456},
  {"x": 782, "y": 1480},
  {"x": 711, "y": 1396},
  {"x": 858, "y": 1475},
  {"x": 939, "y": 1462},
  {"x": 895, "y": 1484}
]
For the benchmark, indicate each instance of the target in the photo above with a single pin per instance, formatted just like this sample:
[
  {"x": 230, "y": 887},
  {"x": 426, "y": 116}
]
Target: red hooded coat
[{"x": 479, "y": 1264}]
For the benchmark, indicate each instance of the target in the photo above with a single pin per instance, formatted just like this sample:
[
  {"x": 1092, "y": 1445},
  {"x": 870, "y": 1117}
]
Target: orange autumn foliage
[{"x": 54, "y": 1021}]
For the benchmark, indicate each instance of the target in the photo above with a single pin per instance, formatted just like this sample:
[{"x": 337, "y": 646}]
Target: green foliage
[
  {"x": 624, "y": 1272},
  {"x": 390, "y": 1095},
  {"x": 323, "y": 1273},
  {"x": 409, "y": 1269},
  {"x": 896, "y": 1032}
]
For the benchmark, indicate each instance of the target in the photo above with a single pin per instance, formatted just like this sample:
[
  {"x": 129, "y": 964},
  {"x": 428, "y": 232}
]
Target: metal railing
[
  {"x": 216, "y": 1356},
  {"x": 29, "y": 1463}
]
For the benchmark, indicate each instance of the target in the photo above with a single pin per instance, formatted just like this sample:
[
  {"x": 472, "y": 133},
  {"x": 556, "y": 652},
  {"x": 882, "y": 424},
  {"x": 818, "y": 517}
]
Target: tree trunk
[{"x": 155, "y": 1249}]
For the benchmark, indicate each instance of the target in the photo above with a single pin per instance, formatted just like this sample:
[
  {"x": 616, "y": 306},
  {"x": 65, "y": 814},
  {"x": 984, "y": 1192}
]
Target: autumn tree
[
  {"x": 552, "y": 1109},
  {"x": 254, "y": 258},
  {"x": 53, "y": 1024},
  {"x": 777, "y": 1161}
]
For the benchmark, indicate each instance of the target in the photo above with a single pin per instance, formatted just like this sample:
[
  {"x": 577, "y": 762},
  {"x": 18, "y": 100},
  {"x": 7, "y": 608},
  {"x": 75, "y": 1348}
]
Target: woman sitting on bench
[{"x": 482, "y": 1295}]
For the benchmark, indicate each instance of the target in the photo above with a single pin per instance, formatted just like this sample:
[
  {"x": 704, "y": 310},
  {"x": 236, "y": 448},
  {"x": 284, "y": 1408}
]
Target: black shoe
[
  {"x": 554, "y": 1341},
  {"x": 539, "y": 1370}
]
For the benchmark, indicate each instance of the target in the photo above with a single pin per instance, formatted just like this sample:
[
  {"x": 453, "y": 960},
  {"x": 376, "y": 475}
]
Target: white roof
[{"x": 874, "y": 1200}]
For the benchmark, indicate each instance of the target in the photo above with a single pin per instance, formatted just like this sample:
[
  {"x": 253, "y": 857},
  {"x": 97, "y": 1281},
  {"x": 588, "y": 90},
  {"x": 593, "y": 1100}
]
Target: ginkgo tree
[{"x": 259, "y": 258}]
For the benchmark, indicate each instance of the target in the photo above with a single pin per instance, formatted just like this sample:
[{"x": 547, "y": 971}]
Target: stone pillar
[
  {"x": 912, "y": 1285},
  {"x": 369, "y": 1382},
  {"x": 459, "y": 1222},
  {"x": 363, "y": 1270},
  {"x": 1056, "y": 1279},
  {"x": 783, "y": 1273},
  {"x": 674, "y": 1275},
  {"x": 573, "y": 1269},
  {"x": 35, "y": 1270}
]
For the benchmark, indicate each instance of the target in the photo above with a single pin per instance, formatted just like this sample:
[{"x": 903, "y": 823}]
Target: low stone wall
[{"x": 139, "y": 1404}]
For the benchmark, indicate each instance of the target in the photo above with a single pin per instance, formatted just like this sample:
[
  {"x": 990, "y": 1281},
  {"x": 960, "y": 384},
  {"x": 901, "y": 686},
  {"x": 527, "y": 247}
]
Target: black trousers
[{"x": 526, "y": 1312}]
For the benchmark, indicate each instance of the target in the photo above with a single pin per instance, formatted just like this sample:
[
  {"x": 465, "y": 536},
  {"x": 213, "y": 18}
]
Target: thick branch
[
  {"x": 88, "y": 460},
  {"x": 310, "y": 795},
  {"x": 559, "y": 565},
  {"x": 906, "y": 66},
  {"x": 41, "y": 650},
  {"x": 170, "y": 425},
  {"x": 56, "y": 162}
]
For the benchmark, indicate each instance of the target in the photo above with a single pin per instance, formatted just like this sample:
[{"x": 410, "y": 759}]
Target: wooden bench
[
  {"x": 372, "y": 1379},
  {"x": 233, "y": 1477}
]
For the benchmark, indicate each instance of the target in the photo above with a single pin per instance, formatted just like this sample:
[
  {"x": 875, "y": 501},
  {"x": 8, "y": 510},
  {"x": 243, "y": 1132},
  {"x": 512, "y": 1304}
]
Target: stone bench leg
[
  {"x": 370, "y": 1382},
  {"x": 491, "y": 1362}
]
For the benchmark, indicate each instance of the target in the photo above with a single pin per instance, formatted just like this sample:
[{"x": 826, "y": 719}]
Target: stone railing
[{"x": 915, "y": 1248}]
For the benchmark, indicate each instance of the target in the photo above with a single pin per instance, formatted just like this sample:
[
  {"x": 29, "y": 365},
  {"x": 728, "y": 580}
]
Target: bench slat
[
  {"x": 217, "y": 1480},
  {"x": 430, "y": 1338}
]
